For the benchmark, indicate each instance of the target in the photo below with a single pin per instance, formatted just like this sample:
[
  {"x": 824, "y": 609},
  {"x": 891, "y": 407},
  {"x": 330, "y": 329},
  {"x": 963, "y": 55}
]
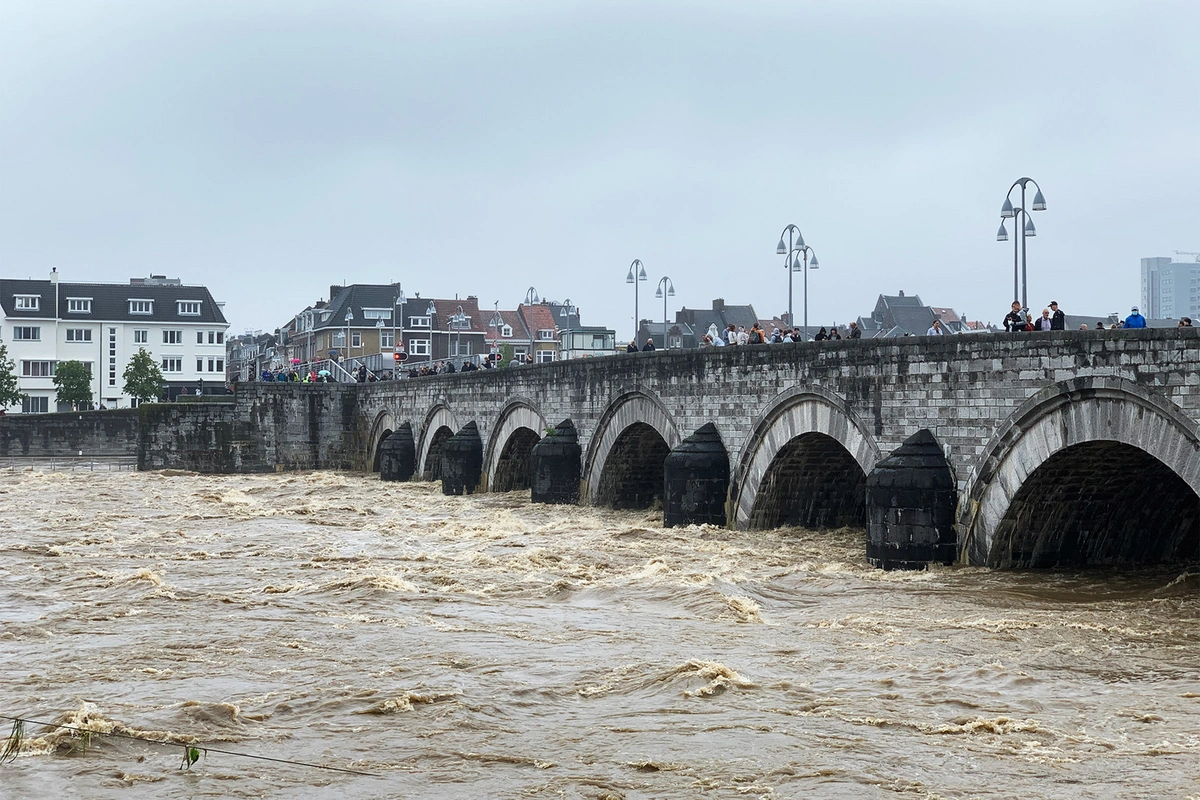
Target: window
[
  {"x": 356, "y": 339},
  {"x": 419, "y": 322},
  {"x": 545, "y": 356},
  {"x": 199, "y": 365},
  {"x": 462, "y": 323},
  {"x": 79, "y": 334},
  {"x": 172, "y": 365},
  {"x": 141, "y": 306},
  {"x": 418, "y": 347},
  {"x": 35, "y": 405},
  {"x": 27, "y": 334},
  {"x": 546, "y": 334},
  {"x": 220, "y": 365},
  {"x": 188, "y": 308},
  {"x": 377, "y": 313},
  {"x": 172, "y": 337},
  {"x": 220, "y": 337},
  {"x": 199, "y": 337},
  {"x": 37, "y": 369},
  {"x": 79, "y": 305},
  {"x": 387, "y": 338},
  {"x": 27, "y": 302},
  {"x": 141, "y": 337},
  {"x": 458, "y": 348},
  {"x": 506, "y": 331}
]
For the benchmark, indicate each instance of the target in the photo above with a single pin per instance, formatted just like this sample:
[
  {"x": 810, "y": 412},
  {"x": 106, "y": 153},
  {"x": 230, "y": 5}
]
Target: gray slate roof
[{"x": 110, "y": 301}]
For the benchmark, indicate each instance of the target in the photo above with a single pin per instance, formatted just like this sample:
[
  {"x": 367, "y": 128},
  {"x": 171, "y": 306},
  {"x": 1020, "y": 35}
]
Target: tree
[
  {"x": 73, "y": 379},
  {"x": 143, "y": 379},
  {"x": 506, "y": 355},
  {"x": 9, "y": 396}
]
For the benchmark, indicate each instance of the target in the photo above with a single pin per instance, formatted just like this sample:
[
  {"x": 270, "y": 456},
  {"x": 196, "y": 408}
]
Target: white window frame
[
  {"x": 140, "y": 306},
  {"x": 387, "y": 338},
  {"x": 419, "y": 347},
  {"x": 184, "y": 308},
  {"x": 546, "y": 334},
  {"x": 454, "y": 347},
  {"x": 43, "y": 401},
  {"x": 199, "y": 337},
  {"x": 27, "y": 302},
  {"x": 77, "y": 335},
  {"x": 377, "y": 313},
  {"x": 44, "y": 369},
  {"x": 506, "y": 332},
  {"x": 220, "y": 337},
  {"x": 172, "y": 337},
  {"x": 420, "y": 322},
  {"x": 141, "y": 337},
  {"x": 544, "y": 356},
  {"x": 172, "y": 364},
  {"x": 356, "y": 339},
  {"x": 79, "y": 305},
  {"x": 36, "y": 337}
]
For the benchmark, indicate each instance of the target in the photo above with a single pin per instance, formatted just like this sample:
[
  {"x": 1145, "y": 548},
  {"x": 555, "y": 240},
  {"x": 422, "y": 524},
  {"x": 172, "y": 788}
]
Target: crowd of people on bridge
[{"x": 1019, "y": 320}]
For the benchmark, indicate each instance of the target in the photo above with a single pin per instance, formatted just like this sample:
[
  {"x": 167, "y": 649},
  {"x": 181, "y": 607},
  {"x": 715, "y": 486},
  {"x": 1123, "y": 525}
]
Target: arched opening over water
[
  {"x": 812, "y": 482},
  {"x": 379, "y": 450},
  {"x": 632, "y": 476},
  {"x": 514, "y": 467},
  {"x": 433, "y": 459},
  {"x": 1099, "y": 504}
]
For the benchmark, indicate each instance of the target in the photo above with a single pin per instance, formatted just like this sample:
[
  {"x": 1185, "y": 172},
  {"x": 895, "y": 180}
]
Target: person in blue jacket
[{"x": 1135, "y": 320}]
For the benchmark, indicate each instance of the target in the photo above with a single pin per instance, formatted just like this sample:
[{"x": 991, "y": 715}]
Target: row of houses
[{"x": 380, "y": 326}]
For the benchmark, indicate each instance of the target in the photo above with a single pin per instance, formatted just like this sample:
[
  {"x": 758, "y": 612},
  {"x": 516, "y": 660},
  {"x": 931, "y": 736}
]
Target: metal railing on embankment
[{"x": 69, "y": 463}]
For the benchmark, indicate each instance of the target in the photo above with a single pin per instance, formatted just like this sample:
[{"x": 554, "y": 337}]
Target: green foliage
[
  {"x": 9, "y": 396},
  {"x": 190, "y": 756},
  {"x": 506, "y": 355},
  {"x": 143, "y": 379},
  {"x": 73, "y": 380}
]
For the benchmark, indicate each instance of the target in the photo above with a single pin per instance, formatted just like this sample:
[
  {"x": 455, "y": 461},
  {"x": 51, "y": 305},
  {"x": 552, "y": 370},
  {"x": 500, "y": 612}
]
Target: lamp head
[
  {"x": 781, "y": 248},
  {"x": 629, "y": 278},
  {"x": 1039, "y": 201},
  {"x": 432, "y": 309},
  {"x": 1029, "y": 229},
  {"x": 814, "y": 264},
  {"x": 1002, "y": 234},
  {"x": 800, "y": 239},
  {"x": 641, "y": 272},
  {"x": 671, "y": 290},
  {"x": 1006, "y": 210},
  {"x": 658, "y": 291}
]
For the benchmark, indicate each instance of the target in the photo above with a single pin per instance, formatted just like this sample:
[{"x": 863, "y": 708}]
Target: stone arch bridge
[{"x": 1063, "y": 448}]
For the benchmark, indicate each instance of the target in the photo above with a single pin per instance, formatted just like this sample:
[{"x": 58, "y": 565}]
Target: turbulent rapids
[{"x": 483, "y": 646}]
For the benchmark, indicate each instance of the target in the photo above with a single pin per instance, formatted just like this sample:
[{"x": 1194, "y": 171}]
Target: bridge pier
[
  {"x": 398, "y": 459},
  {"x": 462, "y": 461},
  {"x": 911, "y": 500},
  {"x": 556, "y": 466},
  {"x": 696, "y": 480}
]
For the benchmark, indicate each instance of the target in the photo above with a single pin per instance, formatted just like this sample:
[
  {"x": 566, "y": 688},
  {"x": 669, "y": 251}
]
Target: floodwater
[{"x": 485, "y": 647}]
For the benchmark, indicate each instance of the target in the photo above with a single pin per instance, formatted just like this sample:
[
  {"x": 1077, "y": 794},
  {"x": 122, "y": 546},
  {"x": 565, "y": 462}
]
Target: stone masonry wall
[{"x": 98, "y": 434}]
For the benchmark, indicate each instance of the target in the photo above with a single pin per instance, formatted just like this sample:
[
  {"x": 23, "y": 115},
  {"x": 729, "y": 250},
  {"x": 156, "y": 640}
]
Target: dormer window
[
  {"x": 546, "y": 334},
  {"x": 27, "y": 302},
  {"x": 188, "y": 308},
  {"x": 79, "y": 305},
  {"x": 141, "y": 306},
  {"x": 506, "y": 331}
]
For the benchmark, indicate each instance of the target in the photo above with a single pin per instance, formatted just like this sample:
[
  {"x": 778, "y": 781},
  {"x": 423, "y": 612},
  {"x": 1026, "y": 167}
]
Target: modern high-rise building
[{"x": 1170, "y": 289}]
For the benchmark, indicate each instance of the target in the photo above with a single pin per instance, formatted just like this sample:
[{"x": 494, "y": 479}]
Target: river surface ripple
[{"x": 488, "y": 647}]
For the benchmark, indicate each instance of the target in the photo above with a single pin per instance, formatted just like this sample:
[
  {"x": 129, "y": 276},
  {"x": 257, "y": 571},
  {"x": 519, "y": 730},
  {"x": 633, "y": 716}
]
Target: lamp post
[
  {"x": 531, "y": 297},
  {"x": 1020, "y": 233},
  {"x": 803, "y": 251},
  {"x": 664, "y": 283},
  {"x": 636, "y": 274},
  {"x": 349, "y": 319},
  {"x": 497, "y": 323},
  {"x": 458, "y": 319},
  {"x": 787, "y": 250},
  {"x": 397, "y": 317},
  {"x": 431, "y": 311},
  {"x": 566, "y": 311}
]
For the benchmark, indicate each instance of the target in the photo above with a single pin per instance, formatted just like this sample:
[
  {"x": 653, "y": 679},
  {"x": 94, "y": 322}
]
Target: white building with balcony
[{"x": 103, "y": 325}]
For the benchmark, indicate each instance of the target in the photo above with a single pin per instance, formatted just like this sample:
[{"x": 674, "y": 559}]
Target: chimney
[
  {"x": 902, "y": 293},
  {"x": 333, "y": 290},
  {"x": 719, "y": 304},
  {"x": 54, "y": 274}
]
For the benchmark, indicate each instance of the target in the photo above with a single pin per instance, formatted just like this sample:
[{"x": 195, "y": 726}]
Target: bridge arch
[
  {"x": 630, "y": 444},
  {"x": 381, "y": 428},
  {"x": 440, "y": 424},
  {"x": 805, "y": 440},
  {"x": 1091, "y": 471},
  {"x": 506, "y": 459}
]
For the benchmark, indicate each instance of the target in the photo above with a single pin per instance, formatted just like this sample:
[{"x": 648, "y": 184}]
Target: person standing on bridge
[
  {"x": 649, "y": 345},
  {"x": 936, "y": 329},
  {"x": 632, "y": 346},
  {"x": 855, "y": 331},
  {"x": 1043, "y": 322},
  {"x": 1058, "y": 320},
  {"x": 1135, "y": 320},
  {"x": 1014, "y": 322}
]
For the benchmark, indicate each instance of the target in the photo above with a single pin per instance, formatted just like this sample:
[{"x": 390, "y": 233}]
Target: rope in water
[{"x": 198, "y": 746}]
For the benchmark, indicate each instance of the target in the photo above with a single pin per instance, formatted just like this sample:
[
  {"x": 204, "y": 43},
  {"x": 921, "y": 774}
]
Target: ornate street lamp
[
  {"x": 637, "y": 274},
  {"x": 802, "y": 263},
  {"x": 1020, "y": 215},
  {"x": 566, "y": 311},
  {"x": 664, "y": 283},
  {"x": 786, "y": 249}
]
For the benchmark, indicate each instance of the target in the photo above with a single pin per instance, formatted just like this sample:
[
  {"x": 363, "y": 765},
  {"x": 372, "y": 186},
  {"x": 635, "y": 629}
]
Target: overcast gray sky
[{"x": 269, "y": 149}]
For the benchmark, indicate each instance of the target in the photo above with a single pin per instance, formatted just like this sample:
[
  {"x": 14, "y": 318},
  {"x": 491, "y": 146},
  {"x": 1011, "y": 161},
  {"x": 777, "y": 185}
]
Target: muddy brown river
[{"x": 486, "y": 647}]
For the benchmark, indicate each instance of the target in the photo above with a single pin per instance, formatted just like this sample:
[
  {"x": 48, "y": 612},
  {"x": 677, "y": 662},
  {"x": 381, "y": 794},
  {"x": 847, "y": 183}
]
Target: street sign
[{"x": 399, "y": 356}]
